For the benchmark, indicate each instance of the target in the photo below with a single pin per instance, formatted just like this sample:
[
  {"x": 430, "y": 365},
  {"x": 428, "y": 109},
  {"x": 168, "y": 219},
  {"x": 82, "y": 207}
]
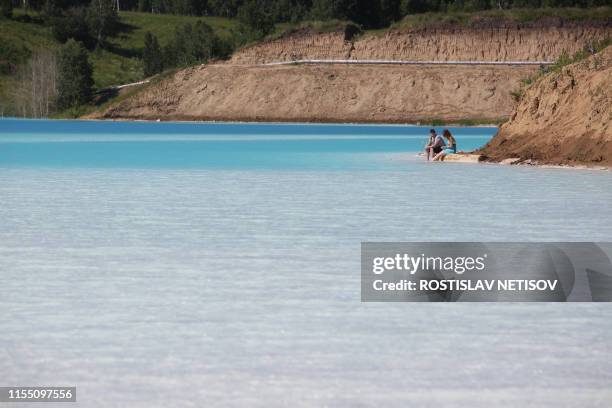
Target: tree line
[
  {"x": 54, "y": 81},
  {"x": 51, "y": 81},
  {"x": 91, "y": 20},
  {"x": 192, "y": 44},
  {"x": 57, "y": 81}
]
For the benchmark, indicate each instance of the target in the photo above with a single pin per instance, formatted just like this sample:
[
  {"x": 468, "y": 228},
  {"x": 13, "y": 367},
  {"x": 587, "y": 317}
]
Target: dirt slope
[
  {"x": 327, "y": 94},
  {"x": 489, "y": 44},
  {"x": 241, "y": 90},
  {"x": 564, "y": 118},
  {"x": 545, "y": 42},
  {"x": 300, "y": 45}
]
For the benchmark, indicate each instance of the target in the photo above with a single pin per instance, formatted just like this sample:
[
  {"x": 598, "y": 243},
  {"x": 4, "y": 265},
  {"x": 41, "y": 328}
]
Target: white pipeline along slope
[{"x": 394, "y": 62}]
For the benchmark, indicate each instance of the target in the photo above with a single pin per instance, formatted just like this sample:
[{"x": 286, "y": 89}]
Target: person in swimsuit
[{"x": 451, "y": 147}]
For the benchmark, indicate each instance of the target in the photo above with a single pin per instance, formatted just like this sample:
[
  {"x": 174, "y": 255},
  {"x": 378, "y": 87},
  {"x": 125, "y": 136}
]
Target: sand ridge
[
  {"x": 564, "y": 118},
  {"x": 330, "y": 93}
]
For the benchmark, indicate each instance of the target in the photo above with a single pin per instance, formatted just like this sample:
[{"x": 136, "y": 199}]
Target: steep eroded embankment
[
  {"x": 564, "y": 117},
  {"x": 545, "y": 42},
  {"x": 326, "y": 94},
  {"x": 240, "y": 89}
]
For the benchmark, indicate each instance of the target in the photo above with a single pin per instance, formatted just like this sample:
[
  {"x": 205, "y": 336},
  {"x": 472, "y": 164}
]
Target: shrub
[
  {"x": 256, "y": 18},
  {"x": 74, "y": 80},
  {"x": 71, "y": 24},
  {"x": 194, "y": 44},
  {"x": 151, "y": 56},
  {"x": 6, "y": 8}
]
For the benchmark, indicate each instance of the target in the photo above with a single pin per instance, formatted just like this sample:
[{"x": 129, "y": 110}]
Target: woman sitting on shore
[{"x": 451, "y": 147}]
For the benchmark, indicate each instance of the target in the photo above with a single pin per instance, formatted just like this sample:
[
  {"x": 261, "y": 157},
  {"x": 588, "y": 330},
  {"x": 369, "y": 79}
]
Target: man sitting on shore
[{"x": 435, "y": 145}]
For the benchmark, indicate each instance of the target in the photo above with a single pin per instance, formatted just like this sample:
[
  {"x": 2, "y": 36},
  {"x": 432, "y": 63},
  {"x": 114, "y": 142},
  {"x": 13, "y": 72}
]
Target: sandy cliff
[
  {"x": 544, "y": 41},
  {"x": 300, "y": 45},
  {"x": 327, "y": 94},
  {"x": 563, "y": 118},
  {"x": 487, "y": 44},
  {"x": 243, "y": 90}
]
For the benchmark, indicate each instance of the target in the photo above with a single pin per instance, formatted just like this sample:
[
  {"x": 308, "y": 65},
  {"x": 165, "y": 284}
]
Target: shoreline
[
  {"x": 484, "y": 124},
  {"x": 278, "y": 121},
  {"x": 475, "y": 158},
  {"x": 462, "y": 157}
]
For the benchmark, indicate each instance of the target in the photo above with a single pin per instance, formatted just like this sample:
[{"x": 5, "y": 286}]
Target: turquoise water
[
  {"x": 157, "y": 265},
  {"x": 220, "y": 146}
]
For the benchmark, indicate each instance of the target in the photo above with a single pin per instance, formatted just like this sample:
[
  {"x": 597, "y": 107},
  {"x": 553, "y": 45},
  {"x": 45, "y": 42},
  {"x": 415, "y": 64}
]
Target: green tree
[
  {"x": 6, "y": 8},
  {"x": 101, "y": 19},
  {"x": 365, "y": 12},
  {"x": 526, "y": 3},
  {"x": 475, "y": 5},
  {"x": 74, "y": 76},
  {"x": 144, "y": 5},
  {"x": 195, "y": 44},
  {"x": 224, "y": 8},
  {"x": 423, "y": 6},
  {"x": 151, "y": 56},
  {"x": 289, "y": 10},
  {"x": 71, "y": 23},
  {"x": 322, "y": 9},
  {"x": 390, "y": 11},
  {"x": 189, "y": 7},
  {"x": 256, "y": 17}
]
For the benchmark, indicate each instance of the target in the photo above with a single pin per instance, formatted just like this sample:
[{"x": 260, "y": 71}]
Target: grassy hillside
[
  {"x": 455, "y": 18},
  {"x": 118, "y": 64},
  {"x": 17, "y": 40},
  {"x": 121, "y": 63},
  {"x": 519, "y": 16}
]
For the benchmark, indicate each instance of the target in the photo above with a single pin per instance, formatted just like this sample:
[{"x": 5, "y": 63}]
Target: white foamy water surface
[{"x": 170, "y": 287}]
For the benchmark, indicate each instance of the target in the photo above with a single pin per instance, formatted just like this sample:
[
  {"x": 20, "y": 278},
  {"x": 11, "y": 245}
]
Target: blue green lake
[{"x": 177, "y": 264}]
